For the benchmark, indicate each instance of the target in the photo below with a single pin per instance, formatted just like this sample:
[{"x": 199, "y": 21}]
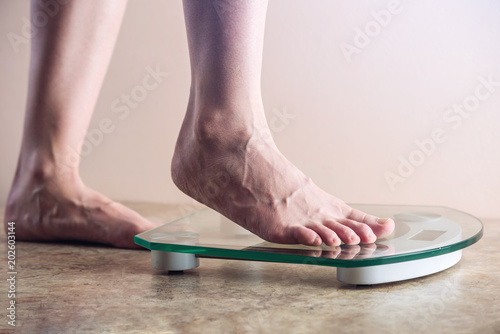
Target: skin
[
  {"x": 48, "y": 200},
  {"x": 225, "y": 156}
]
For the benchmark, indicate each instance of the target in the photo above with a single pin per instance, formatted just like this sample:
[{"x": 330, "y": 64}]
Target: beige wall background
[{"x": 353, "y": 89}]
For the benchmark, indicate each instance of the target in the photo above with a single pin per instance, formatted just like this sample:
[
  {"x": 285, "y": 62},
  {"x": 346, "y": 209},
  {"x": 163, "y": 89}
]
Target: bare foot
[
  {"x": 228, "y": 161},
  {"x": 53, "y": 209}
]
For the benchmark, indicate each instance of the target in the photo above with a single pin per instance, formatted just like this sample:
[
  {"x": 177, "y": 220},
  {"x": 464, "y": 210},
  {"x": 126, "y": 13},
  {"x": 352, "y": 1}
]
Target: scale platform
[{"x": 426, "y": 240}]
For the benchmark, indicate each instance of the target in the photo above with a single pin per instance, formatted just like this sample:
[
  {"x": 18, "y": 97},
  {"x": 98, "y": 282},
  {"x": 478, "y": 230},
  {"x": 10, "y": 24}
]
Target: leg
[
  {"x": 225, "y": 156},
  {"x": 48, "y": 201}
]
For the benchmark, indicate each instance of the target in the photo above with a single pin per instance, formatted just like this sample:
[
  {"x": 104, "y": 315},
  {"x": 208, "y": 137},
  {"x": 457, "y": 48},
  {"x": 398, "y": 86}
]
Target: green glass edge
[{"x": 289, "y": 258}]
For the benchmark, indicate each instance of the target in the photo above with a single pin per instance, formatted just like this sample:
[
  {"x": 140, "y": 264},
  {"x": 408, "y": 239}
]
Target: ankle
[
  {"x": 229, "y": 123},
  {"x": 43, "y": 168},
  {"x": 220, "y": 130}
]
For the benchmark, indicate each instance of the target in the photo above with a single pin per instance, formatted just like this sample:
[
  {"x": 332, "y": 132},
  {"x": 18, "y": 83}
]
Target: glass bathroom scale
[{"x": 426, "y": 240}]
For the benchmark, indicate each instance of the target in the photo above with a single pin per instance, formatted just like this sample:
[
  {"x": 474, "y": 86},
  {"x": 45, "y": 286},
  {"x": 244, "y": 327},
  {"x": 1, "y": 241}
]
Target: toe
[
  {"x": 303, "y": 235},
  {"x": 345, "y": 233},
  {"x": 384, "y": 227},
  {"x": 362, "y": 217},
  {"x": 363, "y": 231},
  {"x": 328, "y": 236},
  {"x": 381, "y": 227}
]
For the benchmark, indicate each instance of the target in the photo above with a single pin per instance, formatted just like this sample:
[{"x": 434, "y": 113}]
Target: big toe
[
  {"x": 381, "y": 227},
  {"x": 384, "y": 227}
]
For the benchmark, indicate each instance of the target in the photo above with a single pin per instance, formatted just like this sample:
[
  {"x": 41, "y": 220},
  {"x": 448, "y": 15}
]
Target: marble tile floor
[{"x": 86, "y": 288}]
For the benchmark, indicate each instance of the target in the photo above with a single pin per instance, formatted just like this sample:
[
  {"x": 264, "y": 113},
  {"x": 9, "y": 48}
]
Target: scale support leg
[{"x": 173, "y": 261}]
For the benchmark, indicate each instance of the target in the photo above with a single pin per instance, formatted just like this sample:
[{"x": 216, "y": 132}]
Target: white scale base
[
  {"x": 398, "y": 271},
  {"x": 386, "y": 273}
]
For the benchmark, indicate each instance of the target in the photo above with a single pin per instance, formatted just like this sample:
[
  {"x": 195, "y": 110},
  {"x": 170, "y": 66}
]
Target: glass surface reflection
[{"x": 421, "y": 232}]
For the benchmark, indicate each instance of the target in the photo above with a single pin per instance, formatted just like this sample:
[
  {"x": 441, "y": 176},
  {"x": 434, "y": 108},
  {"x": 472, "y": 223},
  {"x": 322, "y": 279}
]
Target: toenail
[{"x": 382, "y": 220}]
